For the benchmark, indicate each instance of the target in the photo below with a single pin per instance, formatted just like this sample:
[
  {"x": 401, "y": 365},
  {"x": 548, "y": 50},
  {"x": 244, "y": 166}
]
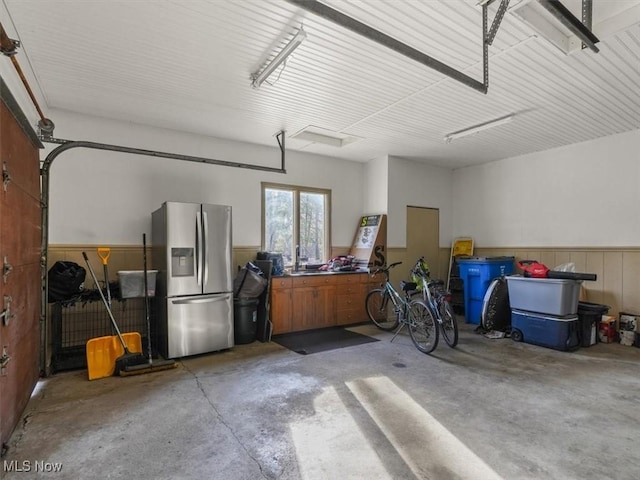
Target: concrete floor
[{"x": 488, "y": 409}]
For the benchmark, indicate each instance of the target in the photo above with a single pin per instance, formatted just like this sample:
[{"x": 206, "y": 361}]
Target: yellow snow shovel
[
  {"x": 105, "y": 358},
  {"x": 102, "y": 353}
]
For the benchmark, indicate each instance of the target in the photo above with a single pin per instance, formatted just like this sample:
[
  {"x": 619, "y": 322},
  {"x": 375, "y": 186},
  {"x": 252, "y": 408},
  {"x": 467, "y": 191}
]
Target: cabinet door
[
  {"x": 326, "y": 306},
  {"x": 281, "y": 310},
  {"x": 313, "y": 307},
  {"x": 305, "y": 308}
]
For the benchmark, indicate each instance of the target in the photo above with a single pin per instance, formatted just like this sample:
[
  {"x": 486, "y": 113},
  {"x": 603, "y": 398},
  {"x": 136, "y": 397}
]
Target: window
[{"x": 296, "y": 217}]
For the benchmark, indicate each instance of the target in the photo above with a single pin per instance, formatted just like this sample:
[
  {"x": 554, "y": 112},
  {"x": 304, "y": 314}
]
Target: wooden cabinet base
[{"x": 317, "y": 301}]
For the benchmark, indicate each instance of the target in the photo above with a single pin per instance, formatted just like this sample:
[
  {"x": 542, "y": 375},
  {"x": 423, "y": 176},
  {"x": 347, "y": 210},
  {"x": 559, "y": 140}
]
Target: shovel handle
[
  {"x": 104, "y": 253},
  {"x": 106, "y": 305}
]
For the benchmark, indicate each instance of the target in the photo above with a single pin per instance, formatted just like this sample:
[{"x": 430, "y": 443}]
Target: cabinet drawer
[
  {"x": 349, "y": 316},
  {"x": 312, "y": 281},
  {"x": 374, "y": 280},
  {"x": 349, "y": 289},
  {"x": 348, "y": 278},
  {"x": 280, "y": 282},
  {"x": 348, "y": 302}
]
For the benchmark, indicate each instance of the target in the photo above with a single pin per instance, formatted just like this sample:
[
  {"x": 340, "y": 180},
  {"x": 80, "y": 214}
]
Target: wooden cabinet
[
  {"x": 313, "y": 302},
  {"x": 281, "y": 304},
  {"x": 318, "y": 301}
]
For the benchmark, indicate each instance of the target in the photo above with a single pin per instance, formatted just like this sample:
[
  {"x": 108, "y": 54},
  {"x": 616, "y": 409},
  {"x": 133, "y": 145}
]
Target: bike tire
[
  {"x": 380, "y": 310},
  {"x": 422, "y": 327},
  {"x": 449, "y": 324}
]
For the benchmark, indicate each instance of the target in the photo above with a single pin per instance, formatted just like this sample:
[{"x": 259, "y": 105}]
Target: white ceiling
[{"x": 186, "y": 65}]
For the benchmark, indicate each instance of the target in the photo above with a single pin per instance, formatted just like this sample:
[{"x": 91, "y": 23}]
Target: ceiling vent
[{"x": 324, "y": 136}]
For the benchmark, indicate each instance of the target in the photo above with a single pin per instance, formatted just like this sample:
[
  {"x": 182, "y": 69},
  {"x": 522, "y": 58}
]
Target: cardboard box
[
  {"x": 627, "y": 338},
  {"x": 628, "y": 322},
  {"x": 607, "y": 329}
]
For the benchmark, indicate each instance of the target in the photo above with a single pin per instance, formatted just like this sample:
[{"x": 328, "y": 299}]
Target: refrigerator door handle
[
  {"x": 205, "y": 252},
  {"x": 191, "y": 300},
  {"x": 199, "y": 248}
]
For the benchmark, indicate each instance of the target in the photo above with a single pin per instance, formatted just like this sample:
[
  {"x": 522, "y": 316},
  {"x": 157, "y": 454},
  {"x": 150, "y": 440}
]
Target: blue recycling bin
[{"x": 477, "y": 274}]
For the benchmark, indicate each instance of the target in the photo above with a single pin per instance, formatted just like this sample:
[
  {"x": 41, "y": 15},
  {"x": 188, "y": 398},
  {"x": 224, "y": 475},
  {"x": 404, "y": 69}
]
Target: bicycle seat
[
  {"x": 408, "y": 286},
  {"x": 436, "y": 283}
]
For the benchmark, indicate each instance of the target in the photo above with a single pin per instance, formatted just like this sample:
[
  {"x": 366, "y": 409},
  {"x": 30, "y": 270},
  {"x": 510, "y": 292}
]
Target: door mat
[{"x": 321, "y": 340}]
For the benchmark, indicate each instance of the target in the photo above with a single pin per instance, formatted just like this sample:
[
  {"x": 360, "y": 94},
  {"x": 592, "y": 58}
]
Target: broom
[{"x": 149, "y": 366}]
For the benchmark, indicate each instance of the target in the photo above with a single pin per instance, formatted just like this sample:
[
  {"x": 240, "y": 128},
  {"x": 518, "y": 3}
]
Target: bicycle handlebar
[{"x": 385, "y": 270}]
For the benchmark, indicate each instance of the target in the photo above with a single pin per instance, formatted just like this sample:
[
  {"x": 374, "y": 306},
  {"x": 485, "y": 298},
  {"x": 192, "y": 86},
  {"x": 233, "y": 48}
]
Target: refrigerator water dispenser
[{"x": 182, "y": 264}]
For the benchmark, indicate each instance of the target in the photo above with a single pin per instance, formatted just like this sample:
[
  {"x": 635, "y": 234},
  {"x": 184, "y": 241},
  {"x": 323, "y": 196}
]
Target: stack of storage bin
[
  {"x": 477, "y": 274},
  {"x": 544, "y": 311}
]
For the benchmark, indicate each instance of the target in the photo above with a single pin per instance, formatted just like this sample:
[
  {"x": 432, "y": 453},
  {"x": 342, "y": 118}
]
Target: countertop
[{"x": 307, "y": 273}]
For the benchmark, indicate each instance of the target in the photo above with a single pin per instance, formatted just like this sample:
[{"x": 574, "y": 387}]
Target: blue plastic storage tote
[
  {"x": 477, "y": 273},
  {"x": 560, "y": 333}
]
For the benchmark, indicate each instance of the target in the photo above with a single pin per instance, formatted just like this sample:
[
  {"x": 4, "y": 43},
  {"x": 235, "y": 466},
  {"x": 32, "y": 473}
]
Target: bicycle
[
  {"x": 437, "y": 299},
  {"x": 388, "y": 310}
]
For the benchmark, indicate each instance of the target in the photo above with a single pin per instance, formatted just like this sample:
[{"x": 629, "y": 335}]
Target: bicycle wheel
[
  {"x": 449, "y": 324},
  {"x": 422, "y": 327},
  {"x": 380, "y": 309}
]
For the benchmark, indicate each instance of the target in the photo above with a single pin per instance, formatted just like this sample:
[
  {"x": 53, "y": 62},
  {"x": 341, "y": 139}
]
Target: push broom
[{"x": 149, "y": 366}]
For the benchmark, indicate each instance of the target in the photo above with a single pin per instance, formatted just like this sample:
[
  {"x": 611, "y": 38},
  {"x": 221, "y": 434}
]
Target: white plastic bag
[{"x": 566, "y": 267}]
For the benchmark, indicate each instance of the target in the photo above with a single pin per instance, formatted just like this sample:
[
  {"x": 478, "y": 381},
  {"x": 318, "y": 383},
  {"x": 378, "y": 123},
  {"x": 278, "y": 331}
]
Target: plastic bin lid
[
  {"x": 246, "y": 300},
  {"x": 593, "y": 307},
  {"x": 520, "y": 278},
  {"x": 486, "y": 259},
  {"x": 135, "y": 272}
]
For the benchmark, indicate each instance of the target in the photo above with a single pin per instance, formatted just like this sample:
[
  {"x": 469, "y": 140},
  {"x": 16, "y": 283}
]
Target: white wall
[
  {"x": 376, "y": 186},
  {"x": 106, "y": 197},
  {"x": 419, "y": 185},
  {"x": 586, "y": 194}
]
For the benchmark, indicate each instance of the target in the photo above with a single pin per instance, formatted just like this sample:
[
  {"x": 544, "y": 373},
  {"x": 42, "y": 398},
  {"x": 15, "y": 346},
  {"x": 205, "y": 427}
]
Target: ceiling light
[
  {"x": 265, "y": 72},
  {"x": 327, "y": 137},
  {"x": 477, "y": 128},
  {"x": 556, "y": 24}
]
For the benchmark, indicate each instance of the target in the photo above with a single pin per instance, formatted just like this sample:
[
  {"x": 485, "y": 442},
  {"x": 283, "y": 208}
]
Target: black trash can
[
  {"x": 589, "y": 315},
  {"x": 245, "y": 320}
]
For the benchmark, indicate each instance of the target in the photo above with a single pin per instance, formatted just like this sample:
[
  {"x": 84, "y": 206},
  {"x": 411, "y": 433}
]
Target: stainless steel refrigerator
[{"x": 191, "y": 249}]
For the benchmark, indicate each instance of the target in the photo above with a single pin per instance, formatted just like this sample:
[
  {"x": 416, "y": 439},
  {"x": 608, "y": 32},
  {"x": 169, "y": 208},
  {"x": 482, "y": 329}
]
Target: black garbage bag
[
  {"x": 250, "y": 282},
  {"x": 66, "y": 281}
]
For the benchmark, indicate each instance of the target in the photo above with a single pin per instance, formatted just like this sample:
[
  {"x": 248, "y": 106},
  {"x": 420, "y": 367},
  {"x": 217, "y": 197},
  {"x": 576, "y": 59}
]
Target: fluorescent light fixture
[
  {"x": 322, "y": 135},
  {"x": 478, "y": 128},
  {"x": 265, "y": 72},
  {"x": 556, "y": 24}
]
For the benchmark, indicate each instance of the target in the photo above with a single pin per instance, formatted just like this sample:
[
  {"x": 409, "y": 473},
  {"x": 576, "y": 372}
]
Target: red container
[{"x": 607, "y": 333}]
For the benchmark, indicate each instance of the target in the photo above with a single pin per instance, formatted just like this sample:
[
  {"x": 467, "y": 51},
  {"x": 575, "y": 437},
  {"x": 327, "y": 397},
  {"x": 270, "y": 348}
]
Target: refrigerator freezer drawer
[{"x": 199, "y": 324}]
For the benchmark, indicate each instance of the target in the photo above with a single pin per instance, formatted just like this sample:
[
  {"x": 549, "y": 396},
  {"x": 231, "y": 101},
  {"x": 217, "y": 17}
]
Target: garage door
[{"x": 20, "y": 285}]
